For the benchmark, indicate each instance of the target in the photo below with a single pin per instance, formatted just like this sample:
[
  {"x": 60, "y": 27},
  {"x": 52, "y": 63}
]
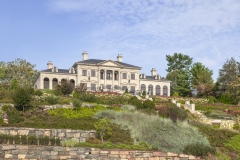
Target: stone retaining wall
[
  {"x": 76, "y": 153},
  {"x": 63, "y": 134}
]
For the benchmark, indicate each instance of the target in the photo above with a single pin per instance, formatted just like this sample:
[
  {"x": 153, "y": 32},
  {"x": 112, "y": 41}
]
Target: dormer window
[{"x": 54, "y": 69}]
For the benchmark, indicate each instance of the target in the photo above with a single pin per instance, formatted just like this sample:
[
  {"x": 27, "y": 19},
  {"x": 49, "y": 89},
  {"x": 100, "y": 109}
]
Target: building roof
[
  {"x": 96, "y": 61},
  {"x": 59, "y": 71}
]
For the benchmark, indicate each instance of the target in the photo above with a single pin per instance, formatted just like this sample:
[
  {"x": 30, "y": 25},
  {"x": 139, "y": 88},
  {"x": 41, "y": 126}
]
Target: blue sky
[{"x": 143, "y": 31}]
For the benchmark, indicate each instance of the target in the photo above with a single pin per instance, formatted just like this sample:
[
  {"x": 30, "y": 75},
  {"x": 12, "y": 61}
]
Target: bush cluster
[
  {"x": 148, "y": 104},
  {"x": 216, "y": 137},
  {"x": 199, "y": 149},
  {"x": 160, "y": 133},
  {"x": 173, "y": 112},
  {"x": 136, "y": 102},
  {"x": 29, "y": 140}
]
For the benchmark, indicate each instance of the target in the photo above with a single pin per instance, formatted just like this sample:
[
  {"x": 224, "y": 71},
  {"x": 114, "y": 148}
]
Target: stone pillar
[
  {"x": 113, "y": 72},
  {"x": 119, "y": 79},
  {"x": 99, "y": 78},
  {"x": 50, "y": 83},
  {"x": 105, "y": 77},
  {"x": 178, "y": 104},
  {"x": 154, "y": 90},
  {"x": 192, "y": 107}
]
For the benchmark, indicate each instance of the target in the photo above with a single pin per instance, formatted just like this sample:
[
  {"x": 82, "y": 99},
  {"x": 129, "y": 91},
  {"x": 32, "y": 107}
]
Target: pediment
[{"x": 109, "y": 63}]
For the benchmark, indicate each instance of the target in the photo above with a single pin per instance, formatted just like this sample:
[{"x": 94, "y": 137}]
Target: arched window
[
  {"x": 150, "y": 89},
  {"x": 72, "y": 82},
  {"x": 158, "y": 90},
  {"x": 165, "y": 90},
  {"x": 143, "y": 87},
  {"x": 54, "y": 82},
  {"x": 46, "y": 83}
]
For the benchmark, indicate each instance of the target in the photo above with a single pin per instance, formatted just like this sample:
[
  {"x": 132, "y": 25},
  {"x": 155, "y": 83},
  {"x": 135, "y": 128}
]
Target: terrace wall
[
  {"x": 76, "y": 153},
  {"x": 62, "y": 134}
]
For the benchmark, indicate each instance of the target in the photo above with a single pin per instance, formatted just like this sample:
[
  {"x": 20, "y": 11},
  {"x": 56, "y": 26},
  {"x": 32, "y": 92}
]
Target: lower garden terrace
[{"x": 117, "y": 126}]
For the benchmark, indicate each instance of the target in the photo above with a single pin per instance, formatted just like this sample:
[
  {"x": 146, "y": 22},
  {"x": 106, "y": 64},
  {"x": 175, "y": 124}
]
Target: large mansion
[{"x": 105, "y": 75}]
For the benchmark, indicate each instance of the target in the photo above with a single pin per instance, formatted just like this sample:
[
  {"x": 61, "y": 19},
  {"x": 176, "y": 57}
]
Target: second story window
[
  {"x": 92, "y": 73},
  {"x": 132, "y": 76},
  {"x": 84, "y": 72},
  {"x": 124, "y": 75},
  {"x": 101, "y": 75},
  {"x": 108, "y": 76}
]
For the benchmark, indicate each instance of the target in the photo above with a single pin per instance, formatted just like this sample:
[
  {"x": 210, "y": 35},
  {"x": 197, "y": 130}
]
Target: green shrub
[
  {"x": 6, "y": 107},
  {"x": 103, "y": 128},
  {"x": 22, "y": 97},
  {"x": 51, "y": 99},
  {"x": 1, "y": 121},
  {"x": 144, "y": 93},
  {"x": 136, "y": 102},
  {"x": 14, "y": 116},
  {"x": 212, "y": 100},
  {"x": 234, "y": 144},
  {"x": 176, "y": 113},
  {"x": 38, "y": 93},
  {"x": 175, "y": 94},
  {"x": 155, "y": 131},
  {"x": 128, "y": 107},
  {"x": 75, "y": 94},
  {"x": 227, "y": 99},
  {"x": 69, "y": 143},
  {"x": 87, "y": 97},
  {"x": 77, "y": 104},
  {"x": 148, "y": 104},
  {"x": 120, "y": 135},
  {"x": 57, "y": 90},
  {"x": 199, "y": 149},
  {"x": 32, "y": 140},
  {"x": 64, "y": 100},
  {"x": 126, "y": 91},
  {"x": 216, "y": 137},
  {"x": 66, "y": 87}
]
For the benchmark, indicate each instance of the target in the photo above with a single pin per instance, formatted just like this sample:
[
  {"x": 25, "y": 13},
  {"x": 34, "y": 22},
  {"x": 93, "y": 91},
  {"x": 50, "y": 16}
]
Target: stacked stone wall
[
  {"x": 62, "y": 134},
  {"x": 79, "y": 153}
]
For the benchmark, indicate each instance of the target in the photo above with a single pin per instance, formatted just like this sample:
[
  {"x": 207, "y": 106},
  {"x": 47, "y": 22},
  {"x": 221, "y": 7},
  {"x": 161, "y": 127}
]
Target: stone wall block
[
  {"x": 47, "y": 133},
  {"x": 13, "y": 132},
  {"x": 23, "y": 132}
]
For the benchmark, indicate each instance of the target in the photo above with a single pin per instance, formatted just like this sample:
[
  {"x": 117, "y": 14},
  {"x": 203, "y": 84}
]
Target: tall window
[
  {"x": 124, "y": 75},
  {"x": 158, "y": 90},
  {"x": 143, "y": 87},
  {"x": 101, "y": 75},
  {"x": 124, "y": 88},
  {"x": 150, "y": 89},
  {"x": 84, "y": 72},
  {"x": 115, "y": 76},
  {"x": 92, "y": 73},
  {"x": 108, "y": 87},
  {"x": 93, "y": 87},
  {"x": 108, "y": 76},
  {"x": 132, "y": 76},
  {"x": 46, "y": 83},
  {"x": 132, "y": 89},
  {"x": 165, "y": 90}
]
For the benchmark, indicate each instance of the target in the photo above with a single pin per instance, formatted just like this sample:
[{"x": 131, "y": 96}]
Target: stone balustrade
[
  {"x": 62, "y": 134},
  {"x": 76, "y": 153}
]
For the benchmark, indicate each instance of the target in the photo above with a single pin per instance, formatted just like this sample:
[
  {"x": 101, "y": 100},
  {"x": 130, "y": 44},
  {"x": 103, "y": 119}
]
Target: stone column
[
  {"x": 99, "y": 78},
  {"x": 113, "y": 74},
  {"x": 154, "y": 90},
  {"x": 50, "y": 83},
  {"x": 119, "y": 79},
  {"x": 105, "y": 77}
]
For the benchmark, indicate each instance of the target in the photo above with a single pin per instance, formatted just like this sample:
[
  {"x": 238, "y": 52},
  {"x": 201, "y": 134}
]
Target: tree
[
  {"x": 229, "y": 80},
  {"x": 201, "y": 79},
  {"x": 22, "y": 97},
  {"x": 103, "y": 128},
  {"x": 66, "y": 87},
  {"x": 179, "y": 73},
  {"x": 2, "y": 70},
  {"x": 77, "y": 104},
  {"x": 21, "y": 70}
]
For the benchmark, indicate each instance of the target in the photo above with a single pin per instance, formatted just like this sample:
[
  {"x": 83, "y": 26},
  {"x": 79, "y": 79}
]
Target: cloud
[{"x": 206, "y": 30}]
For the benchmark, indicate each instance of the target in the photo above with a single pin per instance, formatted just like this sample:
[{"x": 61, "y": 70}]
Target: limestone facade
[{"x": 104, "y": 75}]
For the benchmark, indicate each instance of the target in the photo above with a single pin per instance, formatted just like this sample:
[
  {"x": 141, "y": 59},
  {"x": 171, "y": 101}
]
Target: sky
[{"x": 142, "y": 31}]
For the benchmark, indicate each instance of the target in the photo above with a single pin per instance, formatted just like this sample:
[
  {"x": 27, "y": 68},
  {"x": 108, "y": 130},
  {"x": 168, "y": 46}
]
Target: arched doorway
[
  {"x": 143, "y": 87},
  {"x": 158, "y": 90},
  {"x": 46, "y": 83},
  {"x": 54, "y": 82},
  {"x": 150, "y": 89},
  {"x": 165, "y": 90},
  {"x": 72, "y": 82}
]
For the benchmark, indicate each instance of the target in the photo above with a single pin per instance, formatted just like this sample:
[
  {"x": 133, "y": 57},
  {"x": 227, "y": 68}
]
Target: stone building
[{"x": 105, "y": 75}]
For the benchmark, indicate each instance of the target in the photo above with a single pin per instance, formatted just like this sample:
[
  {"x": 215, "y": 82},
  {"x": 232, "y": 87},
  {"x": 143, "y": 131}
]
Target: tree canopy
[
  {"x": 178, "y": 68},
  {"x": 20, "y": 70}
]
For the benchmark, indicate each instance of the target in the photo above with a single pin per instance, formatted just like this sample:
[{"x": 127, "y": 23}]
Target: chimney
[
  {"x": 154, "y": 72},
  {"x": 50, "y": 65},
  {"x": 85, "y": 55},
  {"x": 119, "y": 58}
]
